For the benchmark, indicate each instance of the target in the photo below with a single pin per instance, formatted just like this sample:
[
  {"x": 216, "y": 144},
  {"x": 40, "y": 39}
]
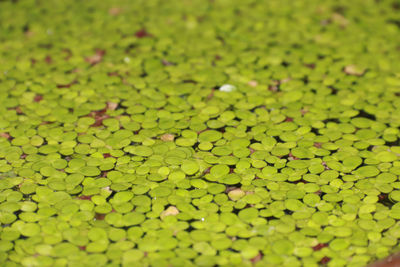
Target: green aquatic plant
[{"x": 199, "y": 133}]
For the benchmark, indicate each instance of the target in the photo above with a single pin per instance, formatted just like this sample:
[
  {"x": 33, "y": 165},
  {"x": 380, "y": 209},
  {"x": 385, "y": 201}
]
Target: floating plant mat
[{"x": 199, "y": 133}]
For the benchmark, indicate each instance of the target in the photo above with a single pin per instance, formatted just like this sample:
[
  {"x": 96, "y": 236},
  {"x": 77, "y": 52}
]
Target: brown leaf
[
  {"x": 85, "y": 197},
  {"x": 310, "y": 66},
  {"x": 19, "y": 110},
  {"x": 68, "y": 52},
  {"x": 99, "y": 116},
  {"x": 303, "y": 111},
  {"x": 317, "y": 145},
  {"x": 65, "y": 85},
  {"x": 167, "y": 137},
  {"x": 29, "y": 33},
  {"x": 235, "y": 194},
  {"x": 340, "y": 19},
  {"x": 112, "y": 105},
  {"x": 99, "y": 216},
  {"x": 288, "y": 79},
  {"x": 170, "y": 211},
  {"x": 96, "y": 58},
  {"x": 114, "y": 11},
  {"x": 353, "y": 70},
  {"x": 110, "y": 74},
  {"x": 256, "y": 258},
  {"x": 273, "y": 88},
  {"x": 252, "y": 83},
  {"x": 390, "y": 261},
  {"x": 211, "y": 95}
]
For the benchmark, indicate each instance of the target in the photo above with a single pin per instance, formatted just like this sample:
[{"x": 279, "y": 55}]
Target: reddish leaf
[
  {"x": 325, "y": 260},
  {"x": 142, "y": 33},
  {"x": 96, "y": 58},
  {"x": 5, "y": 135},
  {"x": 291, "y": 157},
  {"x": 319, "y": 246},
  {"x": 256, "y": 258},
  {"x": 318, "y": 145},
  {"x": 99, "y": 116},
  {"x": 273, "y": 88},
  {"x": 326, "y": 166},
  {"x": 38, "y": 98},
  {"x": 48, "y": 60},
  {"x": 65, "y": 85},
  {"x": 211, "y": 95},
  {"x": 288, "y": 119},
  {"x": 300, "y": 181},
  {"x": 383, "y": 196},
  {"x": 199, "y": 132}
]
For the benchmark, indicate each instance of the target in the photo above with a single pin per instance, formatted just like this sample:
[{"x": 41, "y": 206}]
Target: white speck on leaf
[{"x": 227, "y": 88}]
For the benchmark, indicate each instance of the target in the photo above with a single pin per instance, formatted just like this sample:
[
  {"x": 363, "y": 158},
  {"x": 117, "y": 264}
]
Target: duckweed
[{"x": 199, "y": 133}]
